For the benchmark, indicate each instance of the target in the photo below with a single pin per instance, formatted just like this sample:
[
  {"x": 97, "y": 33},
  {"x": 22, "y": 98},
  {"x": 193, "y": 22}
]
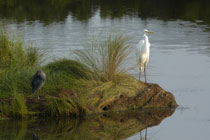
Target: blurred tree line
[{"x": 48, "y": 11}]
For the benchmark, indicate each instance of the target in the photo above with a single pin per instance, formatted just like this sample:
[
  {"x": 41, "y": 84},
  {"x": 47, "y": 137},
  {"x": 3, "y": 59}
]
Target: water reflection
[
  {"x": 119, "y": 125},
  {"x": 145, "y": 135},
  {"x": 35, "y": 137},
  {"x": 48, "y": 11}
]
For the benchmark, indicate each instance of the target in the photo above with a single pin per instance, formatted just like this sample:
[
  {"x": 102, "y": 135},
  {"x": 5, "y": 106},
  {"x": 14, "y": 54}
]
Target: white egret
[{"x": 142, "y": 52}]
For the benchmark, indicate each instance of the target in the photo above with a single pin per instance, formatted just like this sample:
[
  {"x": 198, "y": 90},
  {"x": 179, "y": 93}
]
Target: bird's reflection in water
[
  {"x": 35, "y": 137},
  {"x": 143, "y": 137}
]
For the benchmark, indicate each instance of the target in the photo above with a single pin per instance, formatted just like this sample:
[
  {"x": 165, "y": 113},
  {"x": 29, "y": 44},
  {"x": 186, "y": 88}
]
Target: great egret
[
  {"x": 143, "y": 50},
  {"x": 38, "y": 81}
]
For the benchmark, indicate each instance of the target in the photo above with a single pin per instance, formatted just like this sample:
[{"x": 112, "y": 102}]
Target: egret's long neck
[{"x": 146, "y": 39}]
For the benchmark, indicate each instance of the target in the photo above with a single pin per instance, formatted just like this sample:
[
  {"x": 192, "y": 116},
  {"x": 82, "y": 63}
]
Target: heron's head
[
  {"x": 39, "y": 72},
  {"x": 147, "y": 31}
]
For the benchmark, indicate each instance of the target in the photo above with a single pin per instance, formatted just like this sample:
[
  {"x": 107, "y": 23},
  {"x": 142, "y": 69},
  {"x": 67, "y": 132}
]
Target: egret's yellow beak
[{"x": 150, "y": 32}]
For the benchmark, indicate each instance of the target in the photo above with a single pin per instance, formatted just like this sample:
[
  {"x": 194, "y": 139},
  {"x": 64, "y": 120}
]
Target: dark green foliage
[
  {"x": 64, "y": 74},
  {"x": 62, "y": 107},
  {"x": 15, "y": 107},
  {"x": 68, "y": 67},
  {"x": 49, "y": 11}
]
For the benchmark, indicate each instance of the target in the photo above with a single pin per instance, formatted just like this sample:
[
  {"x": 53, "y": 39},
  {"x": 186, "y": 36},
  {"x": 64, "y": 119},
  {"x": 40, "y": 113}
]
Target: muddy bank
[{"x": 147, "y": 96}]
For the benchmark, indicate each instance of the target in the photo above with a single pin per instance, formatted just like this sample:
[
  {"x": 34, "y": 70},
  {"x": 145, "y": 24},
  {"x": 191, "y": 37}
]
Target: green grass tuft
[
  {"x": 105, "y": 58},
  {"x": 15, "y": 107},
  {"x": 18, "y": 106},
  {"x": 68, "y": 67},
  {"x": 18, "y": 63},
  {"x": 14, "y": 53},
  {"x": 63, "y": 75},
  {"x": 61, "y": 107},
  {"x": 16, "y": 80}
]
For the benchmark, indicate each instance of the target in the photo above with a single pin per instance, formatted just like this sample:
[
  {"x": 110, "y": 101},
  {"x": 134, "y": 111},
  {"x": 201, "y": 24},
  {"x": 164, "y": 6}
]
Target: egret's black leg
[
  {"x": 146, "y": 134},
  {"x": 139, "y": 75},
  {"x": 145, "y": 77},
  {"x": 140, "y": 135}
]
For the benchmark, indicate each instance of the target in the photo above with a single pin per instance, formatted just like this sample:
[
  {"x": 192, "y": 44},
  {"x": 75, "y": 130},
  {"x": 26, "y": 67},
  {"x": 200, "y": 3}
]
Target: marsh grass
[
  {"x": 68, "y": 82},
  {"x": 15, "y": 107},
  {"x": 16, "y": 80},
  {"x": 19, "y": 107},
  {"x": 63, "y": 107},
  {"x": 14, "y": 53},
  {"x": 18, "y": 63},
  {"x": 105, "y": 58},
  {"x": 63, "y": 75}
]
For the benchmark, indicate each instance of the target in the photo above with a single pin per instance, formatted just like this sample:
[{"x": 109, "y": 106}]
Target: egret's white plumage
[{"x": 142, "y": 52}]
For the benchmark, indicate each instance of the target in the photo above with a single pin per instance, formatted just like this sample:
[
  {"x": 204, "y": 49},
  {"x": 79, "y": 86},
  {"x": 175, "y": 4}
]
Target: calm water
[{"x": 179, "y": 61}]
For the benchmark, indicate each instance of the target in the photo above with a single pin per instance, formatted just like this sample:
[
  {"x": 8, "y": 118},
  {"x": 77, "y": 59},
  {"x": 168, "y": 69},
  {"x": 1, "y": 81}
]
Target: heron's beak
[{"x": 150, "y": 32}]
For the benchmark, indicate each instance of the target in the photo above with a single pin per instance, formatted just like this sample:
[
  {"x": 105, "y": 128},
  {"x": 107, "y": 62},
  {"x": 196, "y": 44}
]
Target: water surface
[{"x": 179, "y": 59}]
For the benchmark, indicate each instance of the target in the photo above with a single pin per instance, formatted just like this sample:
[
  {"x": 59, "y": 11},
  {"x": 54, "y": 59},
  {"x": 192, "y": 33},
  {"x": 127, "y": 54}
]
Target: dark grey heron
[{"x": 38, "y": 81}]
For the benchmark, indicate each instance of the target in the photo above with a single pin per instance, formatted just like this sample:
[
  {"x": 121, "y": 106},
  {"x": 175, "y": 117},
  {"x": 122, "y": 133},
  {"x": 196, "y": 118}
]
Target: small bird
[
  {"x": 142, "y": 53},
  {"x": 38, "y": 81}
]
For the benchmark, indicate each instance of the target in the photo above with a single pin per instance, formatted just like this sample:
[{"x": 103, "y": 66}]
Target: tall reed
[
  {"x": 13, "y": 52},
  {"x": 105, "y": 58},
  {"x": 18, "y": 62}
]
